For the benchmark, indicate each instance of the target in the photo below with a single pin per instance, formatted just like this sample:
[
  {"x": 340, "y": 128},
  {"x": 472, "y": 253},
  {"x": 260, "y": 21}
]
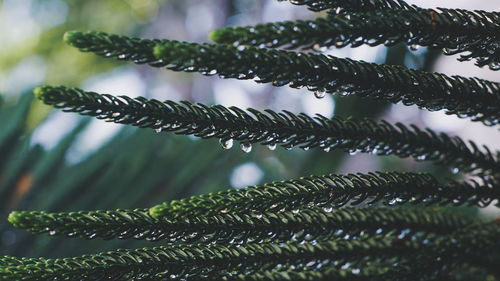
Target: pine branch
[
  {"x": 448, "y": 29},
  {"x": 353, "y": 5},
  {"x": 139, "y": 51},
  {"x": 195, "y": 261},
  {"x": 466, "y": 97},
  {"x": 312, "y": 223},
  {"x": 330, "y": 191},
  {"x": 271, "y": 128}
]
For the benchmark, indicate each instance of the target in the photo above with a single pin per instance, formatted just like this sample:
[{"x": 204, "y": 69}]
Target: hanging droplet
[
  {"x": 305, "y": 148},
  {"x": 296, "y": 211},
  {"x": 326, "y": 149},
  {"x": 494, "y": 65},
  {"x": 447, "y": 51},
  {"x": 421, "y": 157},
  {"x": 328, "y": 209},
  {"x": 414, "y": 47},
  {"x": 353, "y": 152},
  {"x": 158, "y": 123},
  {"x": 226, "y": 143},
  {"x": 319, "y": 94},
  {"x": 455, "y": 170},
  {"x": 246, "y": 147},
  {"x": 271, "y": 146}
]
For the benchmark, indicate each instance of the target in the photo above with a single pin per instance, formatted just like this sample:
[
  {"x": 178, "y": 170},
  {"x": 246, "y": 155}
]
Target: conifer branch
[
  {"x": 312, "y": 222},
  {"x": 139, "y": 51},
  {"x": 445, "y": 29},
  {"x": 353, "y": 5},
  {"x": 195, "y": 261},
  {"x": 271, "y": 128},
  {"x": 331, "y": 191},
  {"x": 465, "y": 97}
]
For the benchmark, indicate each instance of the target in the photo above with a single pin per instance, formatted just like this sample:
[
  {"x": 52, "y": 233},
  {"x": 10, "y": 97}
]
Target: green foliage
[
  {"x": 446, "y": 30},
  {"x": 302, "y": 229},
  {"x": 318, "y": 72},
  {"x": 271, "y": 128},
  {"x": 231, "y": 224}
]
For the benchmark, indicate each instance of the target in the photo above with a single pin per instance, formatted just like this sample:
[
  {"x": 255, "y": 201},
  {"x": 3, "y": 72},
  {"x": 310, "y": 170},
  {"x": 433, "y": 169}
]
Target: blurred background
[{"x": 55, "y": 161}]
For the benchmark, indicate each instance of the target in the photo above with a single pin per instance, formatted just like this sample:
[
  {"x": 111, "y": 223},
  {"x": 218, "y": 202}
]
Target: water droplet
[
  {"x": 328, "y": 209},
  {"x": 158, "y": 130},
  {"x": 421, "y": 157},
  {"x": 414, "y": 47},
  {"x": 494, "y": 65},
  {"x": 353, "y": 152},
  {"x": 455, "y": 170},
  {"x": 122, "y": 56},
  {"x": 246, "y": 147},
  {"x": 319, "y": 94},
  {"x": 295, "y": 211},
  {"x": 327, "y": 149},
  {"x": 447, "y": 51},
  {"x": 271, "y": 146},
  {"x": 226, "y": 143}
]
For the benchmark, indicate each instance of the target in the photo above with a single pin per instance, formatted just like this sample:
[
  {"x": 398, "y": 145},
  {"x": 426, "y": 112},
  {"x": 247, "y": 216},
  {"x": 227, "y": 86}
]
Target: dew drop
[
  {"x": 414, "y": 47},
  {"x": 226, "y": 143},
  {"x": 319, "y": 94},
  {"x": 421, "y": 157},
  {"x": 296, "y": 211},
  {"x": 158, "y": 130},
  {"x": 353, "y": 152},
  {"x": 246, "y": 147},
  {"x": 328, "y": 209},
  {"x": 326, "y": 149},
  {"x": 271, "y": 146},
  {"x": 455, "y": 170}
]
